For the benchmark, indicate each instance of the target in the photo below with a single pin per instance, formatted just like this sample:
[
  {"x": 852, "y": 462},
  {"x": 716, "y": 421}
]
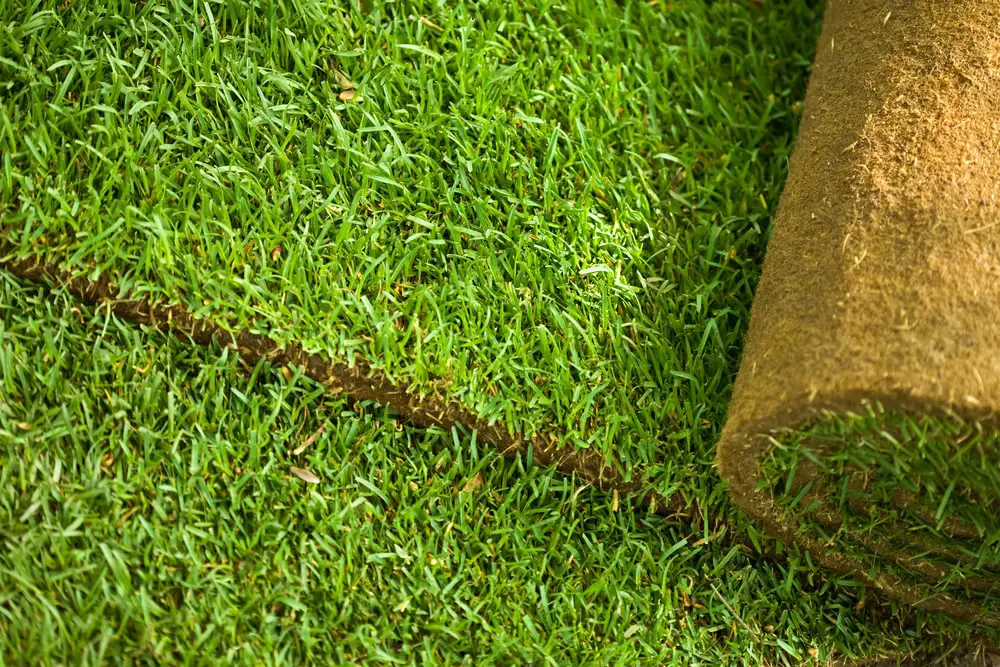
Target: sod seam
[
  {"x": 358, "y": 381},
  {"x": 361, "y": 383}
]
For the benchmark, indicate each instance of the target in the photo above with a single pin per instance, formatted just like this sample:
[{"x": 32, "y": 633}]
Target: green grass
[
  {"x": 922, "y": 486},
  {"x": 150, "y": 513},
  {"x": 552, "y": 212}
]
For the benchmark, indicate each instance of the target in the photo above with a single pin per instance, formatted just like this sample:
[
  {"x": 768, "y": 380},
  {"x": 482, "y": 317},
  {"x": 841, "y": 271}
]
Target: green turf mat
[
  {"x": 553, "y": 213},
  {"x": 149, "y": 511}
]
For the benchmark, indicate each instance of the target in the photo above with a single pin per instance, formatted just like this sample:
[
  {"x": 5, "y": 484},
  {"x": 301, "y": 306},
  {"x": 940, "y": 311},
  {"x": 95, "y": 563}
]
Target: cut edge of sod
[
  {"x": 359, "y": 381},
  {"x": 807, "y": 473}
]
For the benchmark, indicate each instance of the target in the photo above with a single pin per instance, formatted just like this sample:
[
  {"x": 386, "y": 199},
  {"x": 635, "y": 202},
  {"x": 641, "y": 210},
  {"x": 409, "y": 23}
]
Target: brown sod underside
[{"x": 879, "y": 306}]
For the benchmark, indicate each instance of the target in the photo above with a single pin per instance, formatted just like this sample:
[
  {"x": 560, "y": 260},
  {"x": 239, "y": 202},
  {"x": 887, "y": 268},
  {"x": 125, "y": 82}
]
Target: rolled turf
[{"x": 863, "y": 425}]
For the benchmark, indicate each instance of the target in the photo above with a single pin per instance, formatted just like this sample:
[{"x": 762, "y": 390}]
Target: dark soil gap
[{"x": 360, "y": 382}]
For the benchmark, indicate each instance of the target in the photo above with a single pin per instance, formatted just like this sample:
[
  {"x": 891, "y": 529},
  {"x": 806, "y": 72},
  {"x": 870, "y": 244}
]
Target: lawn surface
[
  {"x": 151, "y": 512},
  {"x": 552, "y": 213}
]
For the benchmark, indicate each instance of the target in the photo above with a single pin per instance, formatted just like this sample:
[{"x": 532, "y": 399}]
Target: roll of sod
[{"x": 864, "y": 421}]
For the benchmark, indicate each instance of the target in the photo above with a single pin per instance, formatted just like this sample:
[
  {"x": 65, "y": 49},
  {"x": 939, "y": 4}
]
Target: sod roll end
[{"x": 865, "y": 420}]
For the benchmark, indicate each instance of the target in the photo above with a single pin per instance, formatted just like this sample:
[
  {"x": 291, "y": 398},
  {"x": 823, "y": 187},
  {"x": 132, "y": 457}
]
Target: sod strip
[
  {"x": 48, "y": 423},
  {"x": 150, "y": 509},
  {"x": 358, "y": 382},
  {"x": 548, "y": 212},
  {"x": 864, "y": 422}
]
